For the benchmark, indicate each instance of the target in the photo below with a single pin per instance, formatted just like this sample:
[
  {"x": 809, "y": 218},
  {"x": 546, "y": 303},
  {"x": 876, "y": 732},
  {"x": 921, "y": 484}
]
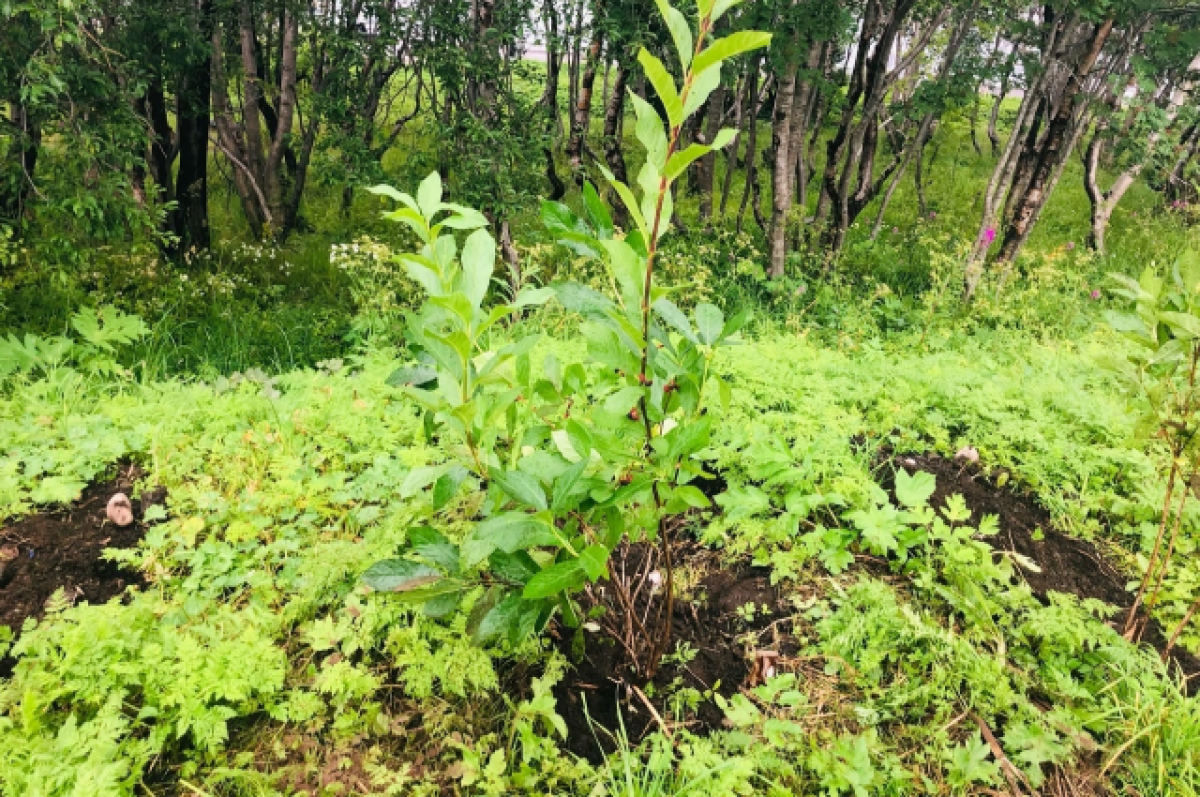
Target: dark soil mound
[
  {"x": 1067, "y": 564},
  {"x": 724, "y": 640},
  {"x": 62, "y": 550}
]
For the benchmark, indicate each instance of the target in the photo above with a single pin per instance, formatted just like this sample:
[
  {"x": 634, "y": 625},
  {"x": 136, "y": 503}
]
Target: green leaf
[
  {"x": 423, "y": 272},
  {"x": 443, "y": 604},
  {"x": 692, "y": 496},
  {"x": 478, "y": 264},
  {"x": 561, "y": 497},
  {"x": 509, "y": 532},
  {"x": 431, "y": 545},
  {"x": 671, "y": 313},
  {"x": 446, "y": 487},
  {"x": 561, "y": 577},
  {"x": 730, "y": 46},
  {"x": 735, "y": 324},
  {"x": 915, "y": 491},
  {"x": 521, "y": 486},
  {"x": 657, "y": 216},
  {"x": 464, "y": 218},
  {"x": 517, "y": 566},
  {"x": 663, "y": 85},
  {"x": 627, "y": 270},
  {"x": 710, "y": 321},
  {"x": 594, "y": 561},
  {"x": 703, "y": 84},
  {"x": 532, "y": 297},
  {"x": 721, "y": 6},
  {"x": 649, "y": 130},
  {"x": 557, "y": 217},
  {"x": 399, "y": 196},
  {"x": 399, "y": 575},
  {"x": 743, "y": 502},
  {"x": 582, "y": 299},
  {"x": 513, "y": 617},
  {"x": 415, "y": 375},
  {"x": 681, "y": 31},
  {"x": 679, "y": 162},
  {"x": 625, "y": 399},
  {"x": 597, "y": 212},
  {"x": 631, "y": 203},
  {"x": 723, "y": 137},
  {"x": 1184, "y": 325},
  {"x": 429, "y": 195}
]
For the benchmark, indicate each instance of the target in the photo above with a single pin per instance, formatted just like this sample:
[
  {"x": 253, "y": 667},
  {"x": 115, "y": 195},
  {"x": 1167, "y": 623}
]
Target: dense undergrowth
[{"x": 255, "y": 661}]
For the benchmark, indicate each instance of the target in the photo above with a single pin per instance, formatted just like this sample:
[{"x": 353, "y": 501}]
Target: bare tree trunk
[
  {"x": 553, "y": 63},
  {"x": 1002, "y": 174},
  {"x": 256, "y": 156},
  {"x": 781, "y": 178},
  {"x": 1053, "y": 150},
  {"x": 751, "y": 157},
  {"x": 582, "y": 115},
  {"x": 805, "y": 105},
  {"x": 731, "y": 151},
  {"x": 614, "y": 155},
  {"x": 706, "y": 172}
]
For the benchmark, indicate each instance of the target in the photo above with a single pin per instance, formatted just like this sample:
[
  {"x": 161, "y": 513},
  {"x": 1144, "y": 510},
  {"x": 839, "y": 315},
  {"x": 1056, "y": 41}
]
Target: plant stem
[
  {"x": 1131, "y": 620},
  {"x": 1179, "y": 628},
  {"x": 664, "y": 542},
  {"x": 1152, "y": 596}
]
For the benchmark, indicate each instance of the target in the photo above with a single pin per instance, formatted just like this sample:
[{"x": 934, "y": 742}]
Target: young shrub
[
  {"x": 1161, "y": 368},
  {"x": 582, "y": 460}
]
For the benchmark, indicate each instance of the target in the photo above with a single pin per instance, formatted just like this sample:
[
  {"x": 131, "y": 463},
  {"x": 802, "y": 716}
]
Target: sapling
[
  {"x": 582, "y": 461},
  {"x": 1161, "y": 367}
]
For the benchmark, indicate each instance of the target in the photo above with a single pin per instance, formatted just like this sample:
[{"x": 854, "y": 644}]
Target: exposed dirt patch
[
  {"x": 1067, "y": 564},
  {"x": 62, "y": 550},
  {"x": 709, "y": 619}
]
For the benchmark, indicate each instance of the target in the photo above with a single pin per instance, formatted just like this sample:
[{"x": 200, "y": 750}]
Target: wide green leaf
[
  {"x": 522, "y": 487},
  {"x": 627, "y": 270},
  {"x": 679, "y": 162},
  {"x": 669, "y": 312},
  {"x": 597, "y": 212},
  {"x": 399, "y": 575},
  {"x": 916, "y": 490},
  {"x": 730, "y": 46},
  {"x": 664, "y": 86},
  {"x": 509, "y": 532},
  {"x": 681, "y": 31},
  {"x": 594, "y": 561},
  {"x": 478, "y": 263},
  {"x": 429, "y": 195},
  {"x": 1184, "y": 325},
  {"x": 513, "y": 618},
  {"x": 710, "y": 321},
  {"x": 517, "y": 567},
  {"x": 561, "y": 577},
  {"x": 649, "y": 130},
  {"x": 415, "y": 375},
  {"x": 432, "y": 545},
  {"x": 703, "y": 84}
]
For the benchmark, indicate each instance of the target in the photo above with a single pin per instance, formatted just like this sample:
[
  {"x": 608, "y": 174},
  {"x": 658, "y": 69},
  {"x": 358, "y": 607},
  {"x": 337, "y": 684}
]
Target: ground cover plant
[{"x": 607, "y": 493}]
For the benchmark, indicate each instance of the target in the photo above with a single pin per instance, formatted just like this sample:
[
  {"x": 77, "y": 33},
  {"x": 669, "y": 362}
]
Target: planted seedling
[{"x": 579, "y": 461}]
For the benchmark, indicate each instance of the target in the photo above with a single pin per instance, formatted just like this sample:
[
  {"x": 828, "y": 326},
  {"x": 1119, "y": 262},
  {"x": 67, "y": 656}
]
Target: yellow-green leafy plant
[
  {"x": 578, "y": 462},
  {"x": 1163, "y": 329}
]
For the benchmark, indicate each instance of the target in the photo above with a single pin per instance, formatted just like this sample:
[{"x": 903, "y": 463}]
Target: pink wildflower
[
  {"x": 1070, "y": 245},
  {"x": 1095, "y": 295},
  {"x": 989, "y": 235}
]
